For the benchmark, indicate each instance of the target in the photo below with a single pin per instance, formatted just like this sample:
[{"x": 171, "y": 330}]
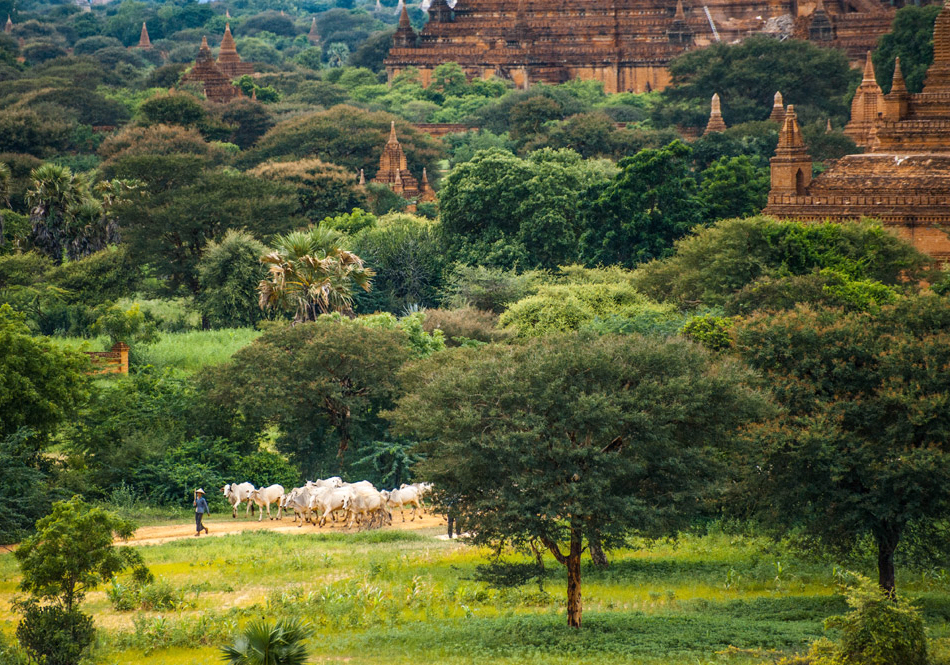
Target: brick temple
[
  {"x": 626, "y": 44},
  {"x": 903, "y": 178},
  {"x": 217, "y": 77},
  {"x": 394, "y": 173}
]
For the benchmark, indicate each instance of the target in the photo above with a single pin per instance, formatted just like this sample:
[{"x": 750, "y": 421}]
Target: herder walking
[{"x": 201, "y": 507}]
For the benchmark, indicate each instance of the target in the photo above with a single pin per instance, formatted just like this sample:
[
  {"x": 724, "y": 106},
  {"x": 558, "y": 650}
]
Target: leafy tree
[
  {"x": 177, "y": 109},
  {"x": 323, "y": 383},
  {"x": 55, "y": 192},
  {"x": 746, "y": 76},
  {"x": 373, "y": 51},
  {"x": 41, "y": 385},
  {"x": 53, "y": 635},
  {"x": 912, "y": 39},
  {"x": 861, "y": 449},
  {"x": 488, "y": 289},
  {"x": 501, "y": 210},
  {"x": 337, "y": 54},
  {"x": 262, "y": 643},
  {"x": 131, "y": 326},
  {"x": 650, "y": 204},
  {"x": 714, "y": 263},
  {"x": 408, "y": 259},
  {"x": 249, "y": 121},
  {"x": 156, "y": 140},
  {"x": 229, "y": 273},
  {"x": 323, "y": 190},
  {"x": 25, "y": 490},
  {"x": 346, "y": 136},
  {"x": 572, "y": 441},
  {"x": 72, "y": 552},
  {"x": 733, "y": 187},
  {"x": 188, "y": 207},
  {"x": 311, "y": 273}
]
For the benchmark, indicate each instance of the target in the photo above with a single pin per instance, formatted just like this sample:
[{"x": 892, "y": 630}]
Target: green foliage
[
  {"x": 638, "y": 216},
  {"x": 41, "y": 386},
  {"x": 568, "y": 307},
  {"x": 733, "y": 187},
  {"x": 54, "y": 635},
  {"x": 229, "y": 273},
  {"x": 322, "y": 382},
  {"x": 498, "y": 210},
  {"x": 408, "y": 257},
  {"x": 104, "y": 276},
  {"x": 131, "y": 326},
  {"x": 322, "y": 189},
  {"x": 746, "y": 76},
  {"x": 24, "y": 491},
  {"x": 880, "y": 629},
  {"x": 265, "y": 468},
  {"x": 350, "y": 223},
  {"x": 465, "y": 324},
  {"x": 712, "y": 265},
  {"x": 554, "y": 440},
  {"x": 177, "y": 109},
  {"x": 710, "y": 331},
  {"x": 264, "y": 643},
  {"x": 912, "y": 39},
  {"x": 861, "y": 442},
  {"x": 489, "y": 289},
  {"x": 387, "y": 463},
  {"x": 422, "y": 344},
  {"x": 72, "y": 552}
]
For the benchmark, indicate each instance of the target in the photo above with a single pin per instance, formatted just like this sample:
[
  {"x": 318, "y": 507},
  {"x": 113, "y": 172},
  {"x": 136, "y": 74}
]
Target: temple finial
[
  {"x": 716, "y": 123},
  {"x": 791, "y": 134},
  {"x": 898, "y": 86},
  {"x": 680, "y": 14},
  {"x": 869, "y": 76},
  {"x": 362, "y": 177}
]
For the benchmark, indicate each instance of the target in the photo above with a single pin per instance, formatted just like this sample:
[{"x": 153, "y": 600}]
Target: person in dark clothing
[
  {"x": 201, "y": 508},
  {"x": 452, "y": 516}
]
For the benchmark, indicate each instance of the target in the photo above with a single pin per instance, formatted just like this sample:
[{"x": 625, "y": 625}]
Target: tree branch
[{"x": 555, "y": 550}]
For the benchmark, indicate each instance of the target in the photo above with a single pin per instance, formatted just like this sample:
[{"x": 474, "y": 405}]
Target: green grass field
[{"x": 398, "y": 597}]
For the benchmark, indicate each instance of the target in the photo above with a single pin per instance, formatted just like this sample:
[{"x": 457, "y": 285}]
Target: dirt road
[{"x": 223, "y": 525}]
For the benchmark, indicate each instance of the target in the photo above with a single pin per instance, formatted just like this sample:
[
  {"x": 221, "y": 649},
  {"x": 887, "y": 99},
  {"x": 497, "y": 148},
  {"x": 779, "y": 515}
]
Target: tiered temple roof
[
  {"x": 626, "y": 44},
  {"x": 904, "y": 177},
  {"x": 217, "y": 84},
  {"x": 229, "y": 61},
  {"x": 394, "y": 172}
]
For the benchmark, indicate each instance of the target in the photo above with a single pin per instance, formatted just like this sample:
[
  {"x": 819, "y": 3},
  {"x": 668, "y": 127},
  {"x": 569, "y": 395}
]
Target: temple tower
[
  {"x": 394, "y": 169},
  {"x": 866, "y": 108},
  {"x": 313, "y": 36},
  {"x": 8, "y": 26},
  {"x": 894, "y": 103},
  {"x": 680, "y": 32},
  {"x": 938, "y": 76},
  {"x": 426, "y": 193},
  {"x": 821, "y": 28},
  {"x": 405, "y": 36},
  {"x": 778, "y": 109},
  {"x": 229, "y": 62},
  {"x": 217, "y": 85},
  {"x": 716, "y": 123},
  {"x": 791, "y": 165},
  {"x": 144, "y": 42}
]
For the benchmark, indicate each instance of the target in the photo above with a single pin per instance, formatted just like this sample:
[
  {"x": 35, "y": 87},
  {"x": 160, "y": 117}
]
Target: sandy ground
[{"x": 223, "y": 525}]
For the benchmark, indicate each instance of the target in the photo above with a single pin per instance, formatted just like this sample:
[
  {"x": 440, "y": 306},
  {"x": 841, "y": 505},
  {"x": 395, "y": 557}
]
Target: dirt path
[{"x": 222, "y": 526}]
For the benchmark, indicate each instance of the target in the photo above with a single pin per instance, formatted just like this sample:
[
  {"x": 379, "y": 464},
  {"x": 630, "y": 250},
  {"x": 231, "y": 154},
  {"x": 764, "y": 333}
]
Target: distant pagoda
[
  {"x": 229, "y": 61},
  {"x": 144, "y": 42},
  {"x": 394, "y": 173},
  {"x": 217, "y": 84}
]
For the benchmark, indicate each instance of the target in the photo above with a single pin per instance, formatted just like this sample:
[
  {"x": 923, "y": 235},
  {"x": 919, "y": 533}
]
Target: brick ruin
[
  {"x": 903, "y": 178},
  {"x": 217, "y": 77},
  {"x": 625, "y": 44},
  {"x": 394, "y": 173}
]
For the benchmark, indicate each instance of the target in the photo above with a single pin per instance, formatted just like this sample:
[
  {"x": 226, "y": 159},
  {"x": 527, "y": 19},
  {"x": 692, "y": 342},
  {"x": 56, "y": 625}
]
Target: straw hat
[{"x": 199, "y": 491}]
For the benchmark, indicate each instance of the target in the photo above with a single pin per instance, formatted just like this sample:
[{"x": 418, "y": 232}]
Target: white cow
[
  {"x": 366, "y": 504},
  {"x": 407, "y": 495},
  {"x": 327, "y": 501},
  {"x": 265, "y": 497},
  {"x": 236, "y": 493},
  {"x": 297, "y": 500}
]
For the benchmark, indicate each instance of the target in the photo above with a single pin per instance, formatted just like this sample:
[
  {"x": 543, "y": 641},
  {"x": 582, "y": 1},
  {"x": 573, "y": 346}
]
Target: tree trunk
[
  {"x": 887, "y": 540},
  {"x": 574, "y": 606},
  {"x": 597, "y": 551}
]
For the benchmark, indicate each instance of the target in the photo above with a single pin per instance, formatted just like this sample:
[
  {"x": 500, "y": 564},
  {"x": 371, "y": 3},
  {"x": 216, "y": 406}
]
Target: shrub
[
  {"x": 229, "y": 272},
  {"x": 283, "y": 642},
  {"x": 879, "y": 630},
  {"x": 710, "y": 331},
  {"x": 490, "y": 289},
  {"x": 465, "y": 323},
  {"x": 53, "y": 635},
  {"x": 266, "y": 468}
]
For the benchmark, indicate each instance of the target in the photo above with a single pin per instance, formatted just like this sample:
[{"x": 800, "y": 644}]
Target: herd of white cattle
[{"x": 359, "y": 504}]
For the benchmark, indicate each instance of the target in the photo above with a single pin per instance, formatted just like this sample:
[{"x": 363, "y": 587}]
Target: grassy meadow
[{"x": 398, "y": 597}]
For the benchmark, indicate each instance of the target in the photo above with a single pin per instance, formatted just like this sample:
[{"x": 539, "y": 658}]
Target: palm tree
[
  {"x": 264, "y": 643},
  {"x": 55, "y": 191},
  {"x": 311, "y": 272}
]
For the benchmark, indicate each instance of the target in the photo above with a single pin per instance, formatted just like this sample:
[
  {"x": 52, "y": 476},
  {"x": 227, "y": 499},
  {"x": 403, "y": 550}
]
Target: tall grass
[{"x": 192, "y": 350}]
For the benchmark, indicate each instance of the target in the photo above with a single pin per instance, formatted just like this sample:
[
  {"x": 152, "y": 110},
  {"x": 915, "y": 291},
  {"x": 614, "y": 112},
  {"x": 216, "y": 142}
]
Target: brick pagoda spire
[
  {"x": 778, "y": 109},
  {"x": 217, "y": 84},
  {"x": 229, "y": 62},
  {"x": 867, "y": 105},
  {"x": 313, "y": 36},
  {"x": 144, "y": 42},
  {"x": 405, "y": 36},
  {"x": 679, "y": 31},
  {"x": 426, "y": 193},
  {"x": 791, "y": 165},
  {"x": 8, "y": 27},
  {"x": 716, "y": 123},
  {"x": 938, "y": 76}
]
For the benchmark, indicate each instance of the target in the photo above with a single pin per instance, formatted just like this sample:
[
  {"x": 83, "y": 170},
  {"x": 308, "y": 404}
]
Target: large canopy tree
[
  {"x": 569, "y": 443},
  {"x": 863, "y": 447}
]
